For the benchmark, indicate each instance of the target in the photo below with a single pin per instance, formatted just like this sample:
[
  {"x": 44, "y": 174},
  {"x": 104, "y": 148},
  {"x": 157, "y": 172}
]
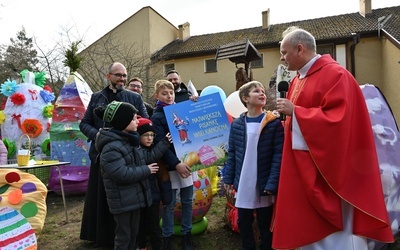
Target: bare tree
[
  {"x": 109, "y": 49},
  {"x": 53, "y": 60},
  {"x": 50, "y": 61}
]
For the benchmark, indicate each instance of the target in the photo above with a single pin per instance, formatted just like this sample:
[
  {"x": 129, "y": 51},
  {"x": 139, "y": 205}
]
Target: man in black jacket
[
  {"x": 97, "y": 222},
  {"x": 181, "y": 91},
  {"x": 135, "y": 84}
]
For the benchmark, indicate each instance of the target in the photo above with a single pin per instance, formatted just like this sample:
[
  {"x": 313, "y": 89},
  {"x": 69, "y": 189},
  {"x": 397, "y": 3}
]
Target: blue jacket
[
  {"x": 161, "y": 129},
  {"x": 269, "y": 153}
]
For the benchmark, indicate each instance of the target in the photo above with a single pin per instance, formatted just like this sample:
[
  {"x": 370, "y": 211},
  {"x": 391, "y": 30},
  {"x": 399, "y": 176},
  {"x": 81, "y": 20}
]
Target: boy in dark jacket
[
  {"x": 124, "y": 170},
  {"x": 255, "y": 179},
  {"x": 181, "y": 176},
  {"x": 160, "y": 190}
]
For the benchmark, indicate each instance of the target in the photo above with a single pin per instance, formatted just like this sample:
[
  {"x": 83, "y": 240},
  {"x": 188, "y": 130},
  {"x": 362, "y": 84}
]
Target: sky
[{"x": 47, "y": 19}]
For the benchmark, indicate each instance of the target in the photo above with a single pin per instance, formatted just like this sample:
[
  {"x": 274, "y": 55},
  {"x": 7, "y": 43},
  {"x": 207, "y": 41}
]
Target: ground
[{"x": 57, "y": 234}]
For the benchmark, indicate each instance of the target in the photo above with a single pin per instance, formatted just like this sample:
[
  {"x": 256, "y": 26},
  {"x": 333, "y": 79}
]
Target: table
[{"x": 45, "y": 164}]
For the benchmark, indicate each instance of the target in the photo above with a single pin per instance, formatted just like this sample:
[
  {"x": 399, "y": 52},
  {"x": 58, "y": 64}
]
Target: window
[
  {"x": 210, "y": 65},
  {"x": 326, "y": 49},
  {"x": 257, "y": 63},
  {"x": 168, "y": 67}
]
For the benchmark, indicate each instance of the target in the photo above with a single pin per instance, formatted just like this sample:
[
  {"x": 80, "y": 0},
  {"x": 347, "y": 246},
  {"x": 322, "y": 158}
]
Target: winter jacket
[
  {"x": 269, "y": 153},
  {"x": 183, "y": 94},
  {"x": 124, "y": 170},
  {"x": 160, "y": 182},
  {"x": 91, "y": 124},
  {"x": 161, "y": 128}
]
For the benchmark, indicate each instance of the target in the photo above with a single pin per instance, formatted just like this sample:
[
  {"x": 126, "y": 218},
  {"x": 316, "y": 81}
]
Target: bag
[
  {"x": 231, "y": 213},
  {"x": 232, "y": 216}
]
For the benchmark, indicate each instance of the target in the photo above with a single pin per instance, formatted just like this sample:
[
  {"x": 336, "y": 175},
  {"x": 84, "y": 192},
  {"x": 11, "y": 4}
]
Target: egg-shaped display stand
[{"x": 202, "y": 200}]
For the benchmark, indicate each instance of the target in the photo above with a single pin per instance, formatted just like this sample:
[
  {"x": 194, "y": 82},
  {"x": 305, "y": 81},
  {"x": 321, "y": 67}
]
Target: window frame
[{"x": 206, "y": 66}]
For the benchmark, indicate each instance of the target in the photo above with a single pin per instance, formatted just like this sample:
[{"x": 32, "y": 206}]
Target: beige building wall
[
  {"x": 271, "y": 61},
  {"x": 162, "y": 32},
  {"x": 132, "y": 42},
  {"x": 146, "y": 28},
  {"x": 368, "y": 62},
  {"x": 391, "y": 75}
]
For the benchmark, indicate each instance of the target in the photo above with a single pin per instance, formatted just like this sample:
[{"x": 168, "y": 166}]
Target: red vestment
[{"x": 341, "y": 162}]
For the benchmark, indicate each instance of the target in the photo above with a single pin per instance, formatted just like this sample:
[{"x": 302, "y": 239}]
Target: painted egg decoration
[
  {"x": 219, "y": 152},
  {"x": 207, "y": 155},
  {"x": 15, "y": 230},
  {"x": 202, "y": 200},
  {"x": 191, "y": 158}
]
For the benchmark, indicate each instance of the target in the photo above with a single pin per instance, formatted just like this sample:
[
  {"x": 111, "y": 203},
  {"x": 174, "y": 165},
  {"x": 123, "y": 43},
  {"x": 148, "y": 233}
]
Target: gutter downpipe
[{"x": 356, "y": 40}]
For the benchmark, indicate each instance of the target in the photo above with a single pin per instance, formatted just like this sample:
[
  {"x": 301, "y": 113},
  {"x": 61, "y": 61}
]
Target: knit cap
[
  {"x": 119, "y": 114},
  {"x": 145, "y": 125}
]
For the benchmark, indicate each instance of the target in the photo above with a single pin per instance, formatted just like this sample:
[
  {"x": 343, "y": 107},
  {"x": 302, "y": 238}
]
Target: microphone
[{"x": 283, "y": 87}]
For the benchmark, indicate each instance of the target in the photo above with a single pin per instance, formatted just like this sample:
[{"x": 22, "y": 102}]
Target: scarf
[{"x": 162, "y": 104}]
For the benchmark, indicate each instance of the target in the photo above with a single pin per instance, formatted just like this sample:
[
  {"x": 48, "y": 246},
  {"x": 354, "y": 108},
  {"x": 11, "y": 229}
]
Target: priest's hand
[{"x": 284, "y": 106}]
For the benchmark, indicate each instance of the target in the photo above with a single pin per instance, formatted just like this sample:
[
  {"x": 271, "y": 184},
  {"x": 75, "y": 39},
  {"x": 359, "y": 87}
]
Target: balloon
[
  {"x": 214, "y": 89},
  {"x": 233, "y": 105}
]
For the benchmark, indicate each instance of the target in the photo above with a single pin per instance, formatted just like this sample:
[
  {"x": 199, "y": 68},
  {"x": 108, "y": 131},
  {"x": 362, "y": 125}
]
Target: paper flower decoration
[
  {"x": 32, "y": 127},
  {"x": 46, "y": 146},
  {"x": 47, "y": 87},
  {"x": 2, "y": 117},
  {"x": 11, "y": 147},
  {"x": 9, "y": 87},
  {"x": 47, "y": 96},
  {"x": 22, "y": 73},
  {"x": 40, "y": 78},
  {"x": 48, "y": 110},
  {"x": 18, "y": 98}
]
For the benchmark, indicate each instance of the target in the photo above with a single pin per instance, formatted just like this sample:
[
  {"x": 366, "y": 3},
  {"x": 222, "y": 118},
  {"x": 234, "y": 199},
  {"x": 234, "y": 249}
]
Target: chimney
[
  {"x": 184, "y": 31},
  {"x": 365, "y": 7},
  {"x": 265, "y": 19}
]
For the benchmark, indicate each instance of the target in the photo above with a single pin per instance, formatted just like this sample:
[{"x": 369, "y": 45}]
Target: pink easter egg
[{"x": 207, "y": 155}]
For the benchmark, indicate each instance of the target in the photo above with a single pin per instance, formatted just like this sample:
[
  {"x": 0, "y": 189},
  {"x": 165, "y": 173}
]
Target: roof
[
  {"x": 333, "y": 28},
  {"x": 238, "y": 52}
]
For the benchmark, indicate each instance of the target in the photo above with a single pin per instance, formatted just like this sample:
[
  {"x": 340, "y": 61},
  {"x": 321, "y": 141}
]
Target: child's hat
[
  {"x": 145, "y": 125},
  {"x": 118, "y": 114}
]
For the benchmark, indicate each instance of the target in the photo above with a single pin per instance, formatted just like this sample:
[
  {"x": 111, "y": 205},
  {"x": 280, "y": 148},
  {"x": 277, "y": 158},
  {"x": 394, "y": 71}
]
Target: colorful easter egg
[
  {"x": 15, "y": 230},
  {"x": 26, "y": 194},
  {"x": 190, "y": 158},
  {"x": 207, "y": 155},
  {"x": 219, "y": 152}
]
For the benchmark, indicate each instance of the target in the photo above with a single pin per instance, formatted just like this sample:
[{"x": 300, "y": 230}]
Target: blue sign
[{"x": 200, "y": 131}]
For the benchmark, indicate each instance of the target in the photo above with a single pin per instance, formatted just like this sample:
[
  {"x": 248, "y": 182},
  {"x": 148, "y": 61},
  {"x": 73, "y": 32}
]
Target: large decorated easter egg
[
  {"x": 15, "y": 230},
  {"x": 202, "y": 200},
  {"x": 28, "y": 110},
  {"x": 26, "y": 194}
]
